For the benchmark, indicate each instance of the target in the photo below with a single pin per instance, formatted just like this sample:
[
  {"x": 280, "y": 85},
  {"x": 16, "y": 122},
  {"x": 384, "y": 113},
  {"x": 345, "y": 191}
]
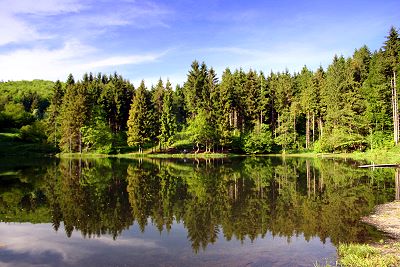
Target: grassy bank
[
  {"x": 12, "y": 145},
  {"x": 377, "y": 156},
  {"x": 361, "y": 255}
]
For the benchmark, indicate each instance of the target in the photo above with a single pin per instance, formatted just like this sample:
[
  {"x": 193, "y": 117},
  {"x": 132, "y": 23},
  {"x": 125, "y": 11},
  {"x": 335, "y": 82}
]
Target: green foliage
[
  {"x": 201, "y": 130},
  {"x": 340, "y": 140},
  {"x": 359, "y": 255},
  {"x": 34, "y": 132},
  {"x": 286, "y": 135},
  {"x": 97, "y": 136},
  {"x": 14, "y": 116},
  {"x": 168, "y": 118},
  {"x": 139, "y": 122},
  {"x": 259, "y": 140},
  {"x": 380, "y": 139}
]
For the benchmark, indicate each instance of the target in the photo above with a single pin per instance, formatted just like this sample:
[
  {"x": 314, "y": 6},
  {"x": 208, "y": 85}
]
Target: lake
[{"x": 263, "y": 211}]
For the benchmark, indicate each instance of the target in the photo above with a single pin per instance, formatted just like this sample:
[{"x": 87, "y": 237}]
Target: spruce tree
[
  {"x": 168, "y": 118},
  {"x": 139, "y": 122},
  {"x": 74, "y": 113},
  {"x": 307, "y": 98},
  {"x": 53, "y": 122},
  {"x": 392, "y": 52}
]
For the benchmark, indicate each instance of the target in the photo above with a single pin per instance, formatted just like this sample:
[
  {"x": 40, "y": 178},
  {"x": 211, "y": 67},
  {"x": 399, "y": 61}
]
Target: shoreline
[{"x": 386, "y": 218}]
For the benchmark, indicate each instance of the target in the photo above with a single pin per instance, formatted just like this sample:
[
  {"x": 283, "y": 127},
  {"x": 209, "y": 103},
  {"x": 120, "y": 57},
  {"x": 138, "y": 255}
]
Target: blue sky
[{"x": 48, "y": 39}]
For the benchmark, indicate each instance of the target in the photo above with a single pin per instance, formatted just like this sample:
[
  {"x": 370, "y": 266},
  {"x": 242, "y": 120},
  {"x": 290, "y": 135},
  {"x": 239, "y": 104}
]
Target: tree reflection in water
[{"x": 234, "y": 199}]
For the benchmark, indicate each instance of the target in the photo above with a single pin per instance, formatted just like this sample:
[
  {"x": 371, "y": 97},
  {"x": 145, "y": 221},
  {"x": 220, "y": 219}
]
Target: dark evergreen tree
[
  {"x": 168, "y": 118},
  {"x": 180, "y": 108},
  {"x": 392, "y": 52},
  {"x": 74, "y": 113},
  {"x": 139, "y": 122},
  {"x": 53, "y": 112}
]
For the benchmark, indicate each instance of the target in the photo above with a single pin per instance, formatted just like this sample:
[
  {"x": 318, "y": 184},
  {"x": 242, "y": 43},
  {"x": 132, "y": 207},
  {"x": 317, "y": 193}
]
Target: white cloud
[
  {"x": 15, "y": 29},
  {"x": 39, "y": 239},
  {"x": 41, "y": 7},
  {"x": 74, "y": 57},
  {"x": 277, "y": 58}
]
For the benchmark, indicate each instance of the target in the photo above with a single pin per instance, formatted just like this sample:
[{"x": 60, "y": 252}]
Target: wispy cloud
[
  {"x": 274, "y": 58},
  {"x": 47, "y": 39},
  {"x": 74, "y": 57},
  {"x": 17, "y": 29},
  {"x": 30, "y": 242}
]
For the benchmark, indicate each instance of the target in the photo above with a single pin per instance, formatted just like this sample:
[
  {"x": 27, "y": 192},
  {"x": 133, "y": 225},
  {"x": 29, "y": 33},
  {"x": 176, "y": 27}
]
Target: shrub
[
  {"x": 259, "y": 140},
  {"x": 34, "y": 133}
]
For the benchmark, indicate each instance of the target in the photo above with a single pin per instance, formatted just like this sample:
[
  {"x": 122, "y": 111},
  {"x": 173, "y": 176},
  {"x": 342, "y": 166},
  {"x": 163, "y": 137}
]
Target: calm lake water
[{"x": 237, "y": 212}]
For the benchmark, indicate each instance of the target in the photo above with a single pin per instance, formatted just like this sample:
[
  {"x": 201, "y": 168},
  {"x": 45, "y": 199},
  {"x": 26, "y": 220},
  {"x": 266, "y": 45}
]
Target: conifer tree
[
  {"x": 307, "y": 98},
  {"x": 194, "y": 88},
  {"x": 251, "y": 99},
  {"x": 168, "y": 118},
  {"x": 53, "y": 122},
  {"x": 180, "y": 108},
  {"x": 139, "y": 118},
  {"x": 318, "y": 82},
  {"x": 74, "y": 112},
  {"x": 392, "y": 52}
]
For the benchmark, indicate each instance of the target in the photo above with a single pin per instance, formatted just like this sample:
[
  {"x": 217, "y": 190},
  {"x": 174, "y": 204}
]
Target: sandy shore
[{"x": 386, "y": 218}]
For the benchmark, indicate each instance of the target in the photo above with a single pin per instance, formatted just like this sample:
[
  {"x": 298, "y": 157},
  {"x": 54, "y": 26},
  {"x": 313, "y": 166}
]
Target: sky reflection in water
[{"x": 25, "y": 244}]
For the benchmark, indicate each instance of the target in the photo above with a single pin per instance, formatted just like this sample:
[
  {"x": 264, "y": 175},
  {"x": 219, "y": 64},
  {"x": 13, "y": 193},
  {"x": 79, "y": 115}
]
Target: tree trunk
[
  {"x": 397, "y": 184},
  {"x": 395, "y": 109},
  {"x": 80, "y": 142},
  {"x": 70, "y": 144},
  {"x": 313, "y": 127},
  {"x": 294, "y": 126},
  {"x": 320, "y": 127},
  {"x": 308, "y": 130},
  {"x": 308, "y": 173},
  {"x": 55, "y": 132},
  {"x": 235, "y": 119}
]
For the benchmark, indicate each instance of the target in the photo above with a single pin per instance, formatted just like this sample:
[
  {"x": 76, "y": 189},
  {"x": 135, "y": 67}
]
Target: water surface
[{"x": 238, "y": 212}]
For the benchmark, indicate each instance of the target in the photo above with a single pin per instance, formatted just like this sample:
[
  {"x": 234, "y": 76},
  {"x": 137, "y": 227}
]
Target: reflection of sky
[{"x": 39, "y": 245}]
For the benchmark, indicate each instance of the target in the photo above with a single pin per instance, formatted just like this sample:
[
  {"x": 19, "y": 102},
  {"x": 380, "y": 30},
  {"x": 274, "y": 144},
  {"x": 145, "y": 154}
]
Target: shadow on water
[{"x": 232, "y": 199}]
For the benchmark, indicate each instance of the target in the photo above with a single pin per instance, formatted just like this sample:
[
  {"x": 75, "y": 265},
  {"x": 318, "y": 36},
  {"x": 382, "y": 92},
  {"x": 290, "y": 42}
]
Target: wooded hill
[{"x": 352, "y": 105}]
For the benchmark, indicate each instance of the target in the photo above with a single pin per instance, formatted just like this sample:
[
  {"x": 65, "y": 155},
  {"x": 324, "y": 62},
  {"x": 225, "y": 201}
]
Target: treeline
[{"x": 349, "y": 106}]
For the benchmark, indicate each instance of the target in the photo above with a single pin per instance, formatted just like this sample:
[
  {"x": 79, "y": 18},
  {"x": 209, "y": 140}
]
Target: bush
[
  {"x": 259, "y": 140},
  {"x": 380, "y": 139},
  {"x": 340, "y": 141},
  {"x": 97, "y": 137},
  {"x": 34, "y": 133}
]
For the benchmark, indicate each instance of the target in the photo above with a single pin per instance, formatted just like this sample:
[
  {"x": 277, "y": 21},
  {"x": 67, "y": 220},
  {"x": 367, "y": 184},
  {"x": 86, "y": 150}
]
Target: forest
[{"x": 351, "y": 105}]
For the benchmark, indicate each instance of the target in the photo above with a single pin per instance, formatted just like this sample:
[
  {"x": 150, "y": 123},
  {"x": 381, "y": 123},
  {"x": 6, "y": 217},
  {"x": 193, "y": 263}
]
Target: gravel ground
[{"x": 386, "y": 218}]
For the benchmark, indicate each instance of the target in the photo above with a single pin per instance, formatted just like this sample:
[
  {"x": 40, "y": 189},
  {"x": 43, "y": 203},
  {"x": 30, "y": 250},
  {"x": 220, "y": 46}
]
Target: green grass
[
  {"x": 362, "y": 255},
  {"x": 11, "y": 145}
]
